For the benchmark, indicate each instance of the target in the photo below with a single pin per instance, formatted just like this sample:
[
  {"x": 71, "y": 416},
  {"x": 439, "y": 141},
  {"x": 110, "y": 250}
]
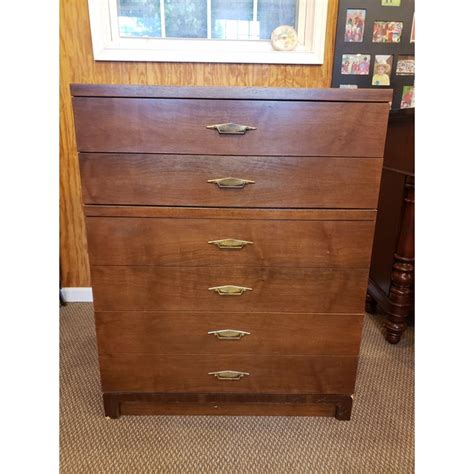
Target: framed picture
[
  {"x": 355, "y": 24},
  {"x": 358, "y": 64},
  {"x": 387, "y": 31},
  {"x": 373, "y": 49},
  {"x": 412, "y": 34},
  {"x": 408, "y": 97},
  {"x": 405, "y": 66},
  {"x": 382, "y": 70}
]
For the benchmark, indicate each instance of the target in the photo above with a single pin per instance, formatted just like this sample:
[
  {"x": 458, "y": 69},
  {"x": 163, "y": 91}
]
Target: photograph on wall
[
  {"x": 412, "y": 34},
  {"x": 391, "y": 3},
  {"x": 382, "y": 70},
  {"x": 405, "y": 66},
  {"x": 408, "y": 97},
  {"x": 348, "y": 86},
  {"x": 355, "y": 23},
  {"x": 358, "y": 64},
  {"x": 387, "y": 31}
]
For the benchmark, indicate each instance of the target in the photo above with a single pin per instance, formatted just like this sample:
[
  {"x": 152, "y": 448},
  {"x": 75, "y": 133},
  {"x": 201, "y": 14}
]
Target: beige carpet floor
[{"x": 378, "y": 439}]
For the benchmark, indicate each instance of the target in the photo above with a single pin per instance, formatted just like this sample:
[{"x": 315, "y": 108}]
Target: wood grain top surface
[{"x": 250, "y": 93}]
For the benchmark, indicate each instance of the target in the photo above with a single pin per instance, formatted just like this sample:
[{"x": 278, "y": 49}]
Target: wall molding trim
[{"x": 77, "y": 294}]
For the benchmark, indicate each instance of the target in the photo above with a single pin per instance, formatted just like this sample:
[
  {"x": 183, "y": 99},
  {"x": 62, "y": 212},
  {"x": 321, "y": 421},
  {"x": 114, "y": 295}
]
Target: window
[{"x": 206, "y": 30}]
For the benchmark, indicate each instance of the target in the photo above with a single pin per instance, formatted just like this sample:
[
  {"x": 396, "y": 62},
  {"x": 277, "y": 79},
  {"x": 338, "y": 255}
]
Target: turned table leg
[{"x": 403, "y": 269}]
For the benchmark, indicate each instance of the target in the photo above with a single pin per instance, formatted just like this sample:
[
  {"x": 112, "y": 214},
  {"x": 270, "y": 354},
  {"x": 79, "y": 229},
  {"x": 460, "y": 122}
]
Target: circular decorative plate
[{"x": 284, "y": 38}]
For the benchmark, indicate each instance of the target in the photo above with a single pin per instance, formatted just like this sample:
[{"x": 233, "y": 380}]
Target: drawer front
[
  {"x": 307, "y": 290},
  {"x": 172, "y": 180},
  {"x": 135, "y": 125},
  {"x": 290, "y": 243},
  {"x": 231, "y": 333},
  {"x": 267, "y": 374}
]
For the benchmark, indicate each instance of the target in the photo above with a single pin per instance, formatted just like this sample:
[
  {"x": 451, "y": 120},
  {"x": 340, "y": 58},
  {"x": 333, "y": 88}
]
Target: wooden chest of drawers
[{"x": 229, "y": 262}]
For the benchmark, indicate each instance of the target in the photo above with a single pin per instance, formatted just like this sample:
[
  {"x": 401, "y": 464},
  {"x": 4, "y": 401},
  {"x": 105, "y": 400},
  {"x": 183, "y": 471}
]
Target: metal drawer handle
[
  {"x": 230, "y": 243},
  {"x": 229, "y": 334},
  {"x": 231, "y": 183},
  {"x": 228, "y": 374},
  {"x": 231, "y": 128},
  {"x": 230, "y": 290}
]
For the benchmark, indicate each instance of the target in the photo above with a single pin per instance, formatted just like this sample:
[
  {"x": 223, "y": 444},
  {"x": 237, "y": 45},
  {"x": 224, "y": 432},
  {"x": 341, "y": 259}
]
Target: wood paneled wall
[{"x": 78, "y": 66}]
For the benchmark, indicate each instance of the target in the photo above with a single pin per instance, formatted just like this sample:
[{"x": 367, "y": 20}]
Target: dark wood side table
[{"x": 391, "y": 280}]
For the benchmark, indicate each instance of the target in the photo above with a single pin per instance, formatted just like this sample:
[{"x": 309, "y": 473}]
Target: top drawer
[{"x": 299, "y": 128}]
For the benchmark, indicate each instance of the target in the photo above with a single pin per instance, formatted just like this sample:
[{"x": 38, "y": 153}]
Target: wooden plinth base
[{"x": 120, "y": 403}]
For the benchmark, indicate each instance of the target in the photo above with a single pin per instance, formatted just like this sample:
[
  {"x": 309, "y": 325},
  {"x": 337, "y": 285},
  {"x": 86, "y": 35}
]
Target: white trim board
[
  {"x": 77, "y": 294},
  {"x": 108, "y": 45}
]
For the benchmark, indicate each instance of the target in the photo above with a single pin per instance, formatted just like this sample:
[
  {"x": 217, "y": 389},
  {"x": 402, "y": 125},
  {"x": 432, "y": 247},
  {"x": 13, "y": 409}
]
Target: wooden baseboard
[{"x": 77, "y": 294}]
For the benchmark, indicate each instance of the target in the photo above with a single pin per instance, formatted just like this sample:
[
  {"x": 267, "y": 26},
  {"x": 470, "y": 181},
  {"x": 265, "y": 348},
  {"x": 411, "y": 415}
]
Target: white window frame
[{"x": 109, "y": 46}]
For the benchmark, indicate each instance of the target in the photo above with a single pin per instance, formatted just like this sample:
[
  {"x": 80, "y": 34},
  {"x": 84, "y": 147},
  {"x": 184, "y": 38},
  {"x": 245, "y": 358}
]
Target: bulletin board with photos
[{"x": 375, "y": 48}]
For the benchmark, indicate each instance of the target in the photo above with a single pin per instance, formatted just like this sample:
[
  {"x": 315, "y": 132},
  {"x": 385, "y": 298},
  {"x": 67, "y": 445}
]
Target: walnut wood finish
[
  {"x": 313, "y": 162},
  {"x": 391, "y": 284},
  {"x": 111, "y": 405},
  {"x": 187, "y": 333},
  {"x": 388, "y": 222},
  {"x": 179, "y": 126},
  {"x": 168, "y": 241},
  {"x": 317, "y": 290},
  {"x": 226, "y": 409},
  {"x": 370, "y": 303},
  {"x": 399, "y": 153},
  {"x": 232, "y": 213},
  {"x": 176, "y": 180},
  {"x": 268, "y": 374},
  {"x": 136, "y": 403},
  {"x": 77, "y": 65},
  {"x": 401, "y": 290},
  {"x": 241, "y": 93}
]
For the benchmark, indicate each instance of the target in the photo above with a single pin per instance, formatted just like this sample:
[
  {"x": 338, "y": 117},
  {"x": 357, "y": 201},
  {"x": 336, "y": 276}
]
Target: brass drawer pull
[
  {"x": 231, "y": 128},
  {"x": 228, "y": 374},
  {"x": 229, "y": 334},
  {"x": 230, "y": 290},
  {"x": 230, "y": 243},
  {"x": 231, "y": 183}
]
